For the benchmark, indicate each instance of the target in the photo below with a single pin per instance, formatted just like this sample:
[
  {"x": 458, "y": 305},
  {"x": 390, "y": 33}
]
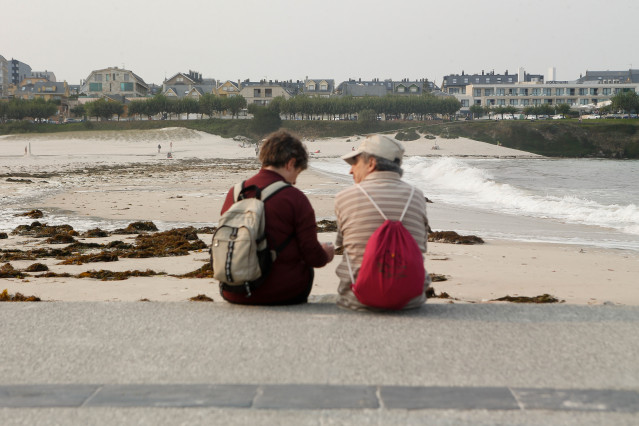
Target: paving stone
[
  {"x": 45, "y": 395},
  {"x": 448, "y": 398},
  {"x": 174, "y": 396},
  {"x": 578, "y": 399},
  {"x": 316, "y": 397}
]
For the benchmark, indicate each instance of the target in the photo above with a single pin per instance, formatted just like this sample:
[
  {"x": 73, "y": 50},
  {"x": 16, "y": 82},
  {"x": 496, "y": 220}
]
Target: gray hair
[{"x": 383, "y": 165}]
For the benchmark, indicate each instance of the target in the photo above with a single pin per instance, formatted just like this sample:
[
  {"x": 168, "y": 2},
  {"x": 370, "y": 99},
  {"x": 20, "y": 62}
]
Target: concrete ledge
[{"x": 318, "y": 397}]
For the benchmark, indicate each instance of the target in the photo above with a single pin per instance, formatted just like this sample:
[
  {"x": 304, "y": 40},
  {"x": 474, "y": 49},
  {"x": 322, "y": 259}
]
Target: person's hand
[{"x": 329, "y": 248}]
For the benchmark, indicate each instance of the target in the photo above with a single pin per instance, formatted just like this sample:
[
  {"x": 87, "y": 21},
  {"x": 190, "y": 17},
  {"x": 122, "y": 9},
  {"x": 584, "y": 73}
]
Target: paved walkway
[{"x": 105, "y": 363}]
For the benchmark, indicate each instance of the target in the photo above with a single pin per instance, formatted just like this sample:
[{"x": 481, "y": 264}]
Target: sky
[{"x": 328, "y": 39}]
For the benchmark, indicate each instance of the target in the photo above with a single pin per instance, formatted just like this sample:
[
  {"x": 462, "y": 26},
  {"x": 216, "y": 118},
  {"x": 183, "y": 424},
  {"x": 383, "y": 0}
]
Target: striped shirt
[{"x": 357, "y": 219}]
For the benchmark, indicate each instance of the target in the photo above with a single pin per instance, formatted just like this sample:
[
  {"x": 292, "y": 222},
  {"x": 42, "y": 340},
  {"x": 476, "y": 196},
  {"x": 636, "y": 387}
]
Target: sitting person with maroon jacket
[{"x": 287, "y": 213}]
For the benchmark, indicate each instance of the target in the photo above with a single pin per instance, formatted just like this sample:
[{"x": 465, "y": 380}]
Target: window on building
[
  {"x": 477, "y": 80},
  {"x": 523, "y": 92},
  {"x": 510, "y": 79},
  {"x": 95, "y": 87},
  {"x": 97, "y": 77},
  {"x": 514, "y": 102},
  {"x": 126, "y": 77},
  {"x": 559, "y": 92},
  {"x": 536, "y": 101},
  {"x": 583, "y": 101},
  {"x": 257, "y": 93},
  {"x": 108, "y": 77},
  {"x": 324, "y": 87},
  {"x": 464, "y": 103},
  {"x": 501, "y": 92},
  {"x": 465, "y": 80},
  {"x": 547, "y": 91},
  {"x": 593, "y": 91},
  {"x": 413, "y": 89},
  {"x": 401, "y": 89},
  {"x": 476, "y": 92},
  {"x": 126, "y": 87},
  {"x": 268, "y": 93},
  {"x": 311, "y": 86},
  {"x": 583, "y": 92},
  {"x": 606, "y": 91},
  {"x": 501, "y": 102},
  {"x": 525, "y": 102},
  {"x": 535, "y": 92},
  {"x": 488, "y": 92},
  {"x": 180, "y": 79},
  {"x": 454, "y": 81},
  {"x": 487, "y": 79}
]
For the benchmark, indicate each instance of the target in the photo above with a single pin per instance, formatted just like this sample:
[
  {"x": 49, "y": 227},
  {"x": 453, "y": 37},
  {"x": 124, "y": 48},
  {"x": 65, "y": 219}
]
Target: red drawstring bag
[{"x": 392, "y": 271}]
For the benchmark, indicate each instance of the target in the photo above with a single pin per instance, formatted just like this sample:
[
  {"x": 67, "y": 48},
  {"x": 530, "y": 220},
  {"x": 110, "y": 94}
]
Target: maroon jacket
[{"x": 286, "y": 212}]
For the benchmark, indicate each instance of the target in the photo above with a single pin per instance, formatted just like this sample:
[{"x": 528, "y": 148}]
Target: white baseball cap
[{"x": 380, "y": 146}]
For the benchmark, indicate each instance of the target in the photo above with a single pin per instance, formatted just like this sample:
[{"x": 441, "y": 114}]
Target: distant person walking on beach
[
  {"x": 159, "y": 148},
  {"x": 289, "y": 217},
  {"x": 376, "y": 170}
]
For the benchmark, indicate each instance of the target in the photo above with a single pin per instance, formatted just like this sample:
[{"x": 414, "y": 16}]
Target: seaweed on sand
[
  {"x": 105, "y": 275},
  {"x": 95, "y": 233},
  {"x": 206, "y": 271},
  {"x": 33, "y": 214},
  {"x": 137, "y": 227},
  {"x": 430, "y": 294},
  {"x": 36, "y": 267},
  {"x": 453, "y": 237},
  {"x": 544, "y": 298},
  {"x": 201, "y": 298},
  {"x": 61, "y": 239},
  {"x": 88, "y": 258},
  {"x": 175, "y": 242},
  {"x": 327, "y": 226},
  {"x": 7, "y": 271},
  {"x": 40, "y": 230},
  {"x": 18, "y": 297}
]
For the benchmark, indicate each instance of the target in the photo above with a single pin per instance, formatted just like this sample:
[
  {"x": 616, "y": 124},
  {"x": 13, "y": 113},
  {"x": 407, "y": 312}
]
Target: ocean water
[{"x": 575, "y": 201}]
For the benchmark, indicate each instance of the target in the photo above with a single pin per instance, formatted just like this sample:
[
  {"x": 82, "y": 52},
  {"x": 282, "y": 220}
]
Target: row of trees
[
  {"x": 207, "y": 104},
  {"x": 19, "y": 109}
]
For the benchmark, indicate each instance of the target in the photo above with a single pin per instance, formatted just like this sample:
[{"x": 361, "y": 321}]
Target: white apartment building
[{"x": 521, "y": 95}]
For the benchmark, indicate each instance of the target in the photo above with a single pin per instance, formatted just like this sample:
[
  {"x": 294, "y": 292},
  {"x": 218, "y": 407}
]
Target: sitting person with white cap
[{"x": 378, "y": 194}]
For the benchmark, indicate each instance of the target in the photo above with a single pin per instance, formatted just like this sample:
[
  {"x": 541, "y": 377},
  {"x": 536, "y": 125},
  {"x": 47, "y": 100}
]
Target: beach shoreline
[{"x": 124, "y": 179}]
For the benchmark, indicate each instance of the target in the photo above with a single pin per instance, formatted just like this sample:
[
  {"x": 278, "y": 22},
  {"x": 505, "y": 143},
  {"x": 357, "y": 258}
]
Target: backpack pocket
[{"x": 234, "y": 255}]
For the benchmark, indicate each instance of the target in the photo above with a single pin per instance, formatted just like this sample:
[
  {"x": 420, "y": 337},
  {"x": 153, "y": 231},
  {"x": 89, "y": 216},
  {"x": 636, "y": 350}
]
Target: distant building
[
  {"x": 5, "y": 79},
  {"x": 114, "y": 81},
  {"x": 228, "y": 89},
  {"x": 191, "y": 84},
  {"x": 455, "y": 84},
  {"x": 319, "y": 88},
  {"x": 19, "y": 71},
  {"x": 615, "y": 77},
  {"x": 262, "y": 92},
  {"x": 375, "y": 87},
  {"x": 47, "y": 75},
  {"x": 596, "y": 88}
]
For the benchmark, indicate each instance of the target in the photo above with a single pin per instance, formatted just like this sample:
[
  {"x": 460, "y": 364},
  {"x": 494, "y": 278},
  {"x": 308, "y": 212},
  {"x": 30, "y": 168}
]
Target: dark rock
[{"x": 3, "y": 236}]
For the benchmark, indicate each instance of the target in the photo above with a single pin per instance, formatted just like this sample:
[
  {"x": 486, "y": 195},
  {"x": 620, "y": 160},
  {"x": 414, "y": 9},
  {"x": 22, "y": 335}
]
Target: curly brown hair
[{"x": 279, "y": 147}]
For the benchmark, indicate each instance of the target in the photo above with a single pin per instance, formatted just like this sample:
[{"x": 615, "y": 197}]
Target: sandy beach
[{"x": 121, "y": 176}]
